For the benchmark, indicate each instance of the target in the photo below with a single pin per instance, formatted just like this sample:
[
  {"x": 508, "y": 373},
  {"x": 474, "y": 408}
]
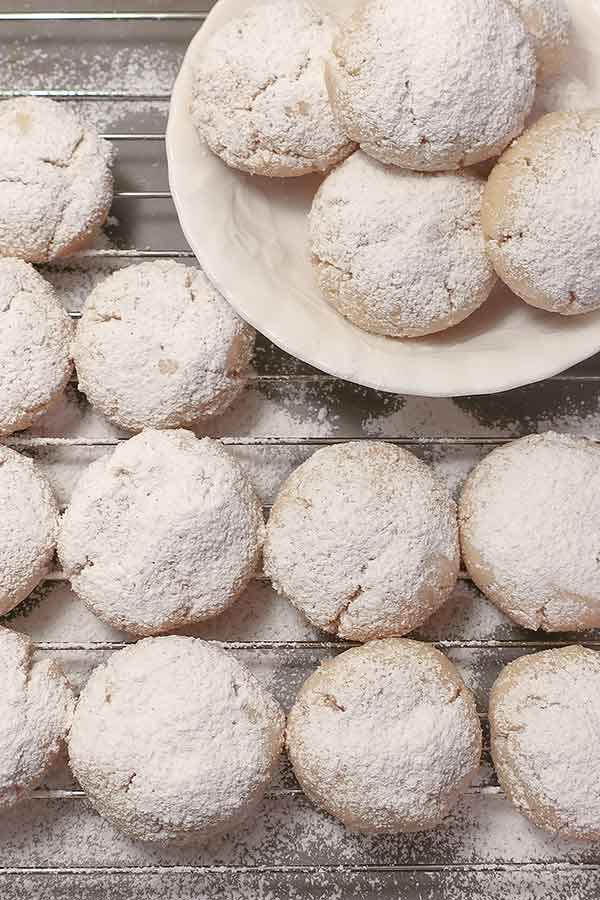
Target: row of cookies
[{"x": 174, "y": 740}]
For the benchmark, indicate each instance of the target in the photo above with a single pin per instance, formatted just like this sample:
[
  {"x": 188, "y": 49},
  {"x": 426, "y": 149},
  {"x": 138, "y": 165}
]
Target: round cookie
[
  {"x": 363, "y": 540},
  {"x": 432, "y": 86},
  {"x": 35, "y": 345},
  {"x": 164, "y": 532},
  {"x": 55, "y": 181},
  {"x": 259, "y": 95},
  {"x": 530, "y": 531},
  {"x": 545, "y": 719},
  {"x": 549, "y": 25},
  {"x": 541, "y": 214},
  {"x": 385, "y": 737},
  {"x": 28, "y": 528},
  {"x": 174, "y": 740},
  {"x": 400, "y": 253},
  {"x": 157, "y": 346},
  {"x": 36, "y": 707}
]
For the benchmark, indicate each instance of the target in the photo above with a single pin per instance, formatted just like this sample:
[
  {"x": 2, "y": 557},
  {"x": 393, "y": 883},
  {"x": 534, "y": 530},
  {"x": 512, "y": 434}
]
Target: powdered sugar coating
[
  {"x": 158, "y": 346},
  {"x": 165, "y": 531},
  {"x": 362, "y": 538},
  {"x": 36, "y": 707},
  {"x": 400, "y": 253},
  {"x": 175, "y": 740},
  {"x": 432, "y": 86},
  {"x": 530, "y": 531},
  {"x": 259, "y": 95},
  {"x": 55, "y": 180},
  {"x": 29, "y": 527},
  {"x": 545, "y": 721},
  {"x": 549, "y": 25},
  {"x": 35, "y": 345},
  {"x": 385, "y": 737},
  {"x": 541, "y": 213}
]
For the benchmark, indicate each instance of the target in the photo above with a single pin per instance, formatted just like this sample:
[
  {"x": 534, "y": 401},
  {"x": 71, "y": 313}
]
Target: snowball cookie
[
  {"x": 158, "y": 346},
  {"x": 385, "y": 737},
  {"x": 400, "y": 253},
  {"x": 35, "y": 345},
  {"x": 164, "y": 532},
  {"x": 36, "y": 706},
  {"x": 363, "y": 539},
  {"x": 541, "y": 214},
  {"x": 549, "y": 25},
  {"x": 28, "y": 527},
  {"x": 545, "y": 719},
  {"x": 174, "y": 740},
  {"x": 432, "y": 86},
  {"x": 55, "y": 180},
  {"x": 259, "y": 95},
  {"x": 530, "y": 531}
]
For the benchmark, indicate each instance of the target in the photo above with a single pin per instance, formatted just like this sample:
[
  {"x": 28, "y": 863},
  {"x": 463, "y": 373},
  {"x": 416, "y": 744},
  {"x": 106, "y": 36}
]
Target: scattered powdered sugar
[
  {"x": 400, "y": 253},
  {"x": 530, "y": 534},
  {"x": 545, "y": 718},
  {"x": 36, "y": 705},
  {"x": 542, "y": 238},
  {"x": 261, "y": 104},
  {"x": 385, "y": 737},
  {"x": 35, "y": 346},
  {"x": 56, "y": 187},
  {"x": 434, "y": 85},
  {"x": 163, "y": 532},
  {"x": 561, "y": 93},
  {"x": 173, "y": 739},
  {"x": 363, "y": 539}
]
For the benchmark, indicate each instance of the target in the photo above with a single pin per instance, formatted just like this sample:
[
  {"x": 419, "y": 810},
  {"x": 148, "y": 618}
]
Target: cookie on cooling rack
[
  {"x": 541, "y": 213},
  {"x": 157, "y": 346},
  {"x": 56, "y": 185},
  {"x": 385, "y": 737},
  {"x": 432, "y": 86},
  {"x": 175, "y": 740},
  {"x": 400, "y": 253},
  {"x": 363, "y": 540},
  {"x": 164, "y": 532},
  {"x": 36, "y": 707},
  {"x": 545, "y": 720},
  {"x": 35, "y": 345},
  {"x": 28, "y": 527},
  {"x": 259, "y": 95},
  {"x": 530, "y": 531}
]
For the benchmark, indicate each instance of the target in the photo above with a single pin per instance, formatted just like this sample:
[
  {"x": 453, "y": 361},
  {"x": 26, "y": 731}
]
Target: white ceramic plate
[{"x": 250, "y": 236}]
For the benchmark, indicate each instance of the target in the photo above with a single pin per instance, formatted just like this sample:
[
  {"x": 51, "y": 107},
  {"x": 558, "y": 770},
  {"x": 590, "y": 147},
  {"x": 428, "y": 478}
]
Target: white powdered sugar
[
  {"x": 259, "y": 95},
  {"x": 385, "y": 737},
  {"x": 541, "y": 213},
  {"x": 435, "y": 85},
  {"x": 549, "y": 24},
  {"x": 362, "y": 538},
  {"x": 175, "y": 740},
  {"x": 35, "y": 346},
  {"x": 158, "y": 346},
  {"x": 164, "y": 532},
  {"x": 530, "y": 531},
  {"x": 29, "y": 527},
  {"x": 55, "y": 180},
  {"x": 545, "y": 720},
  {"x": 36, "y": 706},
  {"x": 400, "y": 253},
  {"x": 561, "y": 93}
]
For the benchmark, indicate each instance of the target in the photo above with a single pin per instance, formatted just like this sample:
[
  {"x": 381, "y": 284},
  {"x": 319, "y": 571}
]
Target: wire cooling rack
[{"x": 56, "y": 847}]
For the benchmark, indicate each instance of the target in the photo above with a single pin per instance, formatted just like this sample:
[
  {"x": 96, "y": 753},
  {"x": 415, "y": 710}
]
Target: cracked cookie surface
[
  {"x": 55, "y": 180},
  {"x": 363, "y": 540},
  {"x": 529, "y": 519},
  {"x": 385, "y": 737},
  {"x": 400, "y": 253}
]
